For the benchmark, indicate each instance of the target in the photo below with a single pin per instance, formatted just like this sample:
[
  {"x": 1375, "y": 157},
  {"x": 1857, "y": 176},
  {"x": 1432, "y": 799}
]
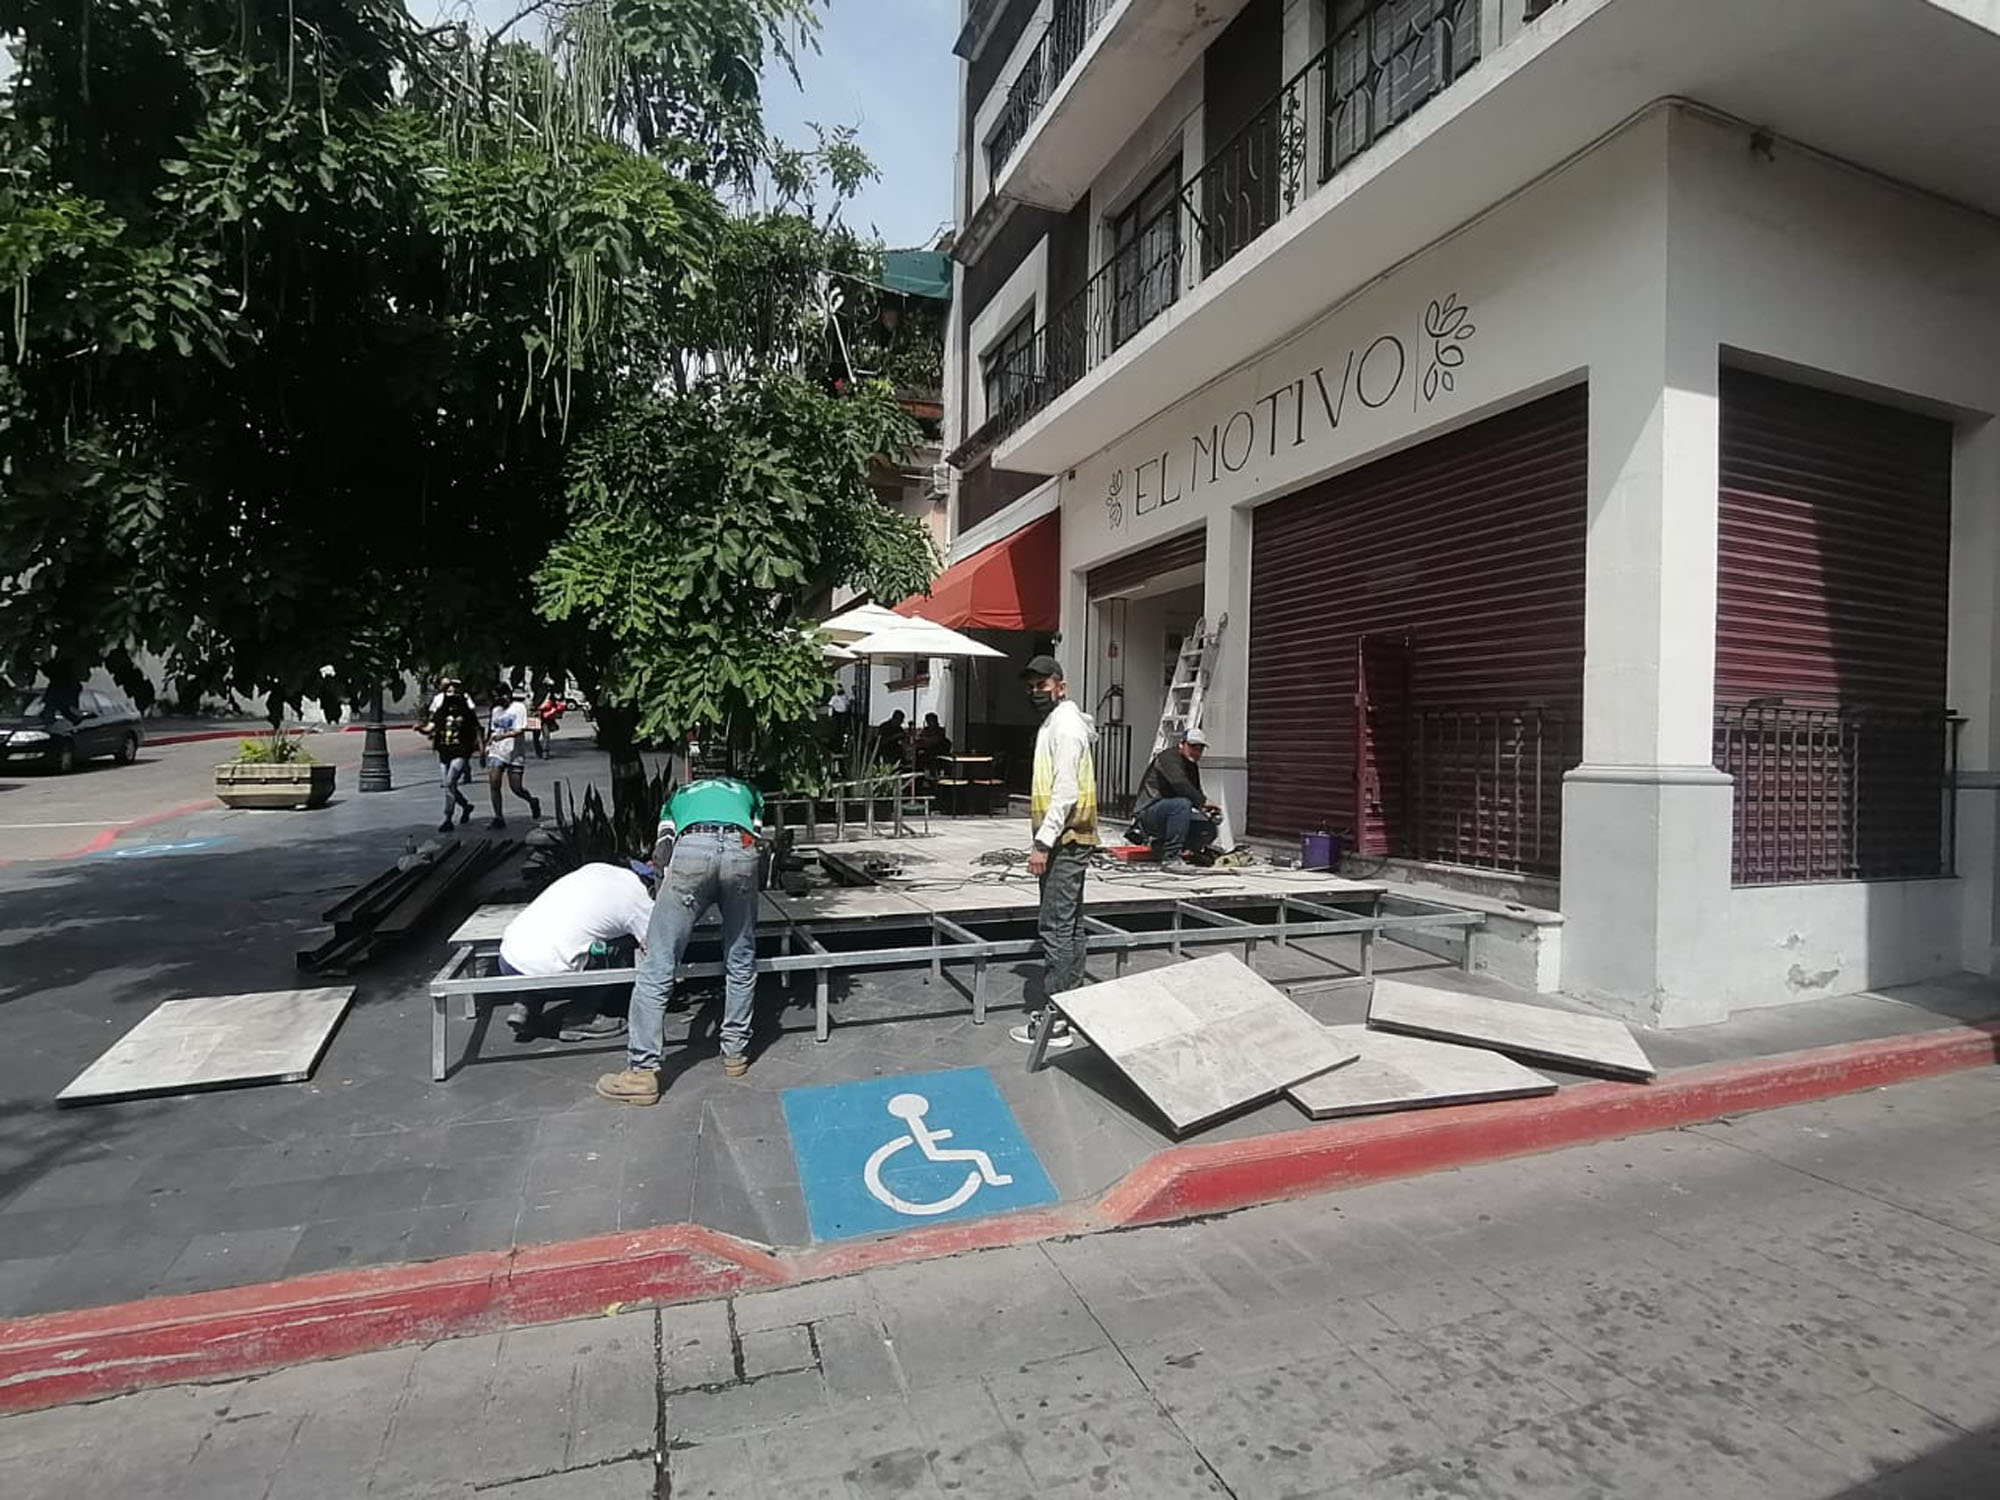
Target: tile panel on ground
[
  {"x": 208, "y": 1041},
  {"x": 1595, "y": 1044},
  {"x": 1203, "y": 1038},
  {"x": 1407, "y": 1072}
]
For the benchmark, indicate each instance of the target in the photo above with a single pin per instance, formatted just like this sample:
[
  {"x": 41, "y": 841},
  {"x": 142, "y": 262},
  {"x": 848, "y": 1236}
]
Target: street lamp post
[{"x": 375, "y": 749}]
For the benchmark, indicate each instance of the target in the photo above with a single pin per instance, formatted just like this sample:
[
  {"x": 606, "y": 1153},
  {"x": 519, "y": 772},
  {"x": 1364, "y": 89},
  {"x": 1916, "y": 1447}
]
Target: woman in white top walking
[{"x": 503, "y": 752}]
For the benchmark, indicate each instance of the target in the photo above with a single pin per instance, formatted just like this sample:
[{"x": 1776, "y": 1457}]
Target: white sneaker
[{"x": 1060, "y": 1035}]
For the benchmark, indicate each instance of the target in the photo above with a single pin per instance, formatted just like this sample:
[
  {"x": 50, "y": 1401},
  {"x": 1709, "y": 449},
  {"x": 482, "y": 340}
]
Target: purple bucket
[{"x": 1319, "y": 851}]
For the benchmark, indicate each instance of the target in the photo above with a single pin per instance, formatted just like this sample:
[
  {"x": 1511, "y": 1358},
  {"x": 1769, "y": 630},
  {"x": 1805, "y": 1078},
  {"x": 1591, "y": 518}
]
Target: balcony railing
[
  {"x": 1378, "y": 72},
  {"x": 1056, "y": 52},
  {"x": 1839, "y": 793}
]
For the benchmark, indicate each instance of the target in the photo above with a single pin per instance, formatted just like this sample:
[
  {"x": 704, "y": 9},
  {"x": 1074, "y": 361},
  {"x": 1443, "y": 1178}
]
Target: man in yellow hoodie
[{"x": 1063, "y": 808}]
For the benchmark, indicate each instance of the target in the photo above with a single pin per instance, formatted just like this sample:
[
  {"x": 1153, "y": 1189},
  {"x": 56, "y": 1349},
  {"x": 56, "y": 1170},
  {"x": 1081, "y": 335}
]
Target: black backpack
[{"x": 456, "y": 731}]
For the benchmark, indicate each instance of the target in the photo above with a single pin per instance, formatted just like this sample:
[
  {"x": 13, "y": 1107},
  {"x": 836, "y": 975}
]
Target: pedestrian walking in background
[
  {"x": 457, "y": 738},
  {"x": 1062, "y": 806},
  {"x": 706, "y": 854},
  {"x": 550, "y": 712},
  {"x": 504, "y": 731}
]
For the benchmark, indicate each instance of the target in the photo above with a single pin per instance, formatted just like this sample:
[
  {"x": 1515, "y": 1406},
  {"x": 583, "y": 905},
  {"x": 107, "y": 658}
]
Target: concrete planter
[{"x": 286, "y": 785}]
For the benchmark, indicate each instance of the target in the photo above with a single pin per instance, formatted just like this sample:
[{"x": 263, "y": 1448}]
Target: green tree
[{"x": 315, "y": 317}]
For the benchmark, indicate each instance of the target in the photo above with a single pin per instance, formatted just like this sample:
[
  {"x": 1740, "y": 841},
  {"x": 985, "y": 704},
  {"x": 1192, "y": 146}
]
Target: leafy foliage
[
  {"x": 275, "y": 749},
  {"x": 701, "y": 523}
]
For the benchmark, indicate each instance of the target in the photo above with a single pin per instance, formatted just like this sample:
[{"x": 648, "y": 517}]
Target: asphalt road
[
  {"x": 44, "y": 816},
  {"x": 1786, "y": 1306}
]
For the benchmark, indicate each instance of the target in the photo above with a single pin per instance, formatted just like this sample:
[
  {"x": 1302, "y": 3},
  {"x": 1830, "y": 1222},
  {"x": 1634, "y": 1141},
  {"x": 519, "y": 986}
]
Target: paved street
[
  {"x": 1790, "y": 1306},
  {"x": 44, "y": 816}
]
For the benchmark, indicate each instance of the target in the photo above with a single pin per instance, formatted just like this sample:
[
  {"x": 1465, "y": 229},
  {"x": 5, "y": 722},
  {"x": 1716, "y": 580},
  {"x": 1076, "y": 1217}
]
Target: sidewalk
[
  {"x": 169, "y": 730},
  {"x": 1785, "y": 1307}
]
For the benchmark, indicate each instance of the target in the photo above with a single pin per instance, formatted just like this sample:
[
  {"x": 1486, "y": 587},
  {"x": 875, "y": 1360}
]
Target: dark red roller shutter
[
  {"x": 1835, "y": 549},
  {"x": 1149, "y": 562},
  {"x": 1832, "y": 619},
  {"x": 1461, "y": 563}
]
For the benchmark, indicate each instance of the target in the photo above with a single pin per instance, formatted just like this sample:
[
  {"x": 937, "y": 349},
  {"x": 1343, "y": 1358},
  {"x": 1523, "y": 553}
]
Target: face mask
[{"x": 1043, "y": 699}]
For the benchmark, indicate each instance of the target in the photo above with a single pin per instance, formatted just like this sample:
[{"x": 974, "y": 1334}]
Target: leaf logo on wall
[
  {"x": 1114, "y": 504},
  {"x": 1448, "y": 325}
]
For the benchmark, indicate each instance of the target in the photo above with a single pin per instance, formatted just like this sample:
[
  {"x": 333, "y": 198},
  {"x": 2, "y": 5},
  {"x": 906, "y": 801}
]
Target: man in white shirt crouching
[{"x": 599, "y": 903}]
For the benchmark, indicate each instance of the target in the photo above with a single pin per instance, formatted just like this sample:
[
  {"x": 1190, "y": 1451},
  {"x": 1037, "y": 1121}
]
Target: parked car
[{"x": 34, "y": 734}]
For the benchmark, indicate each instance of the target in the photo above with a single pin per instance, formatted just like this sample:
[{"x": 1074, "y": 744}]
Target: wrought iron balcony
[
  {"x": 1371, "y": 77},
  {"x": 1060, "y": 45}
]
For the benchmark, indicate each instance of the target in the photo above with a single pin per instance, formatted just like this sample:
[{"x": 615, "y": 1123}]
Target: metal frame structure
[{"x": 952, "y": 940}]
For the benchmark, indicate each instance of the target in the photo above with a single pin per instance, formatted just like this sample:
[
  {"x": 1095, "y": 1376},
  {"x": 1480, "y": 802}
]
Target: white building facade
[{"x": 1583, "y": 413}]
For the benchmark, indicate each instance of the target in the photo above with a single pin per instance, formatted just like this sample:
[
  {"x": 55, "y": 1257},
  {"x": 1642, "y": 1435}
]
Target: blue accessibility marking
[
  {"x": 156, "y": 851},
  {"x": 924, "y": 1148}
]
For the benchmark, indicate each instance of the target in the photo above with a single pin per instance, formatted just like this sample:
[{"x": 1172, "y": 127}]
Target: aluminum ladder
[{"x": 1182, "y": 710}]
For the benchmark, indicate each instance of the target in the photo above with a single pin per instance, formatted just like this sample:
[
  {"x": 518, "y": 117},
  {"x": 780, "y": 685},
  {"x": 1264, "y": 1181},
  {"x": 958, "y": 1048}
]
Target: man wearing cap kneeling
[
  {"x": 1173, "y": 811},
  {"x": 1062, "y": 805}
]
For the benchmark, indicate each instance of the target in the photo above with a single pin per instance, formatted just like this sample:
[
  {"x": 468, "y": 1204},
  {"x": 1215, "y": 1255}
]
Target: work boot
[
  {"x": 735, "y": 1064},
  {"x": 633, "y": 1086},
  {"x": 594, "y": 1029}
]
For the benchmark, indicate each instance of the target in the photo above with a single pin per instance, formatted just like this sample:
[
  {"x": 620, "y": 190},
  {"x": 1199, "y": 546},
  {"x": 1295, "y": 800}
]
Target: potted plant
[{"x": 274, "y": 770}]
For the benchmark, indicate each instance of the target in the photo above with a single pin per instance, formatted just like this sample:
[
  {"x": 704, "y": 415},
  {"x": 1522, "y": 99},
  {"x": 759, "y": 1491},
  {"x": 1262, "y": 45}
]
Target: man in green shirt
[{"x": 706, "y": 853}]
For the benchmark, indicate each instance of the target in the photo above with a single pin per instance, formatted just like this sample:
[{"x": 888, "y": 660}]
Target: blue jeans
[
  {"x": 453, "y": 774},
  {"x": 707, "y": 870},
  {"x": 1173, "y": 824},
  {"x": 1059, "y": 923}
]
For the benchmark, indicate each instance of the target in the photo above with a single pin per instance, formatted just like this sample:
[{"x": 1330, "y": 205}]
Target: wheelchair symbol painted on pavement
[
  {"x": 912, "y": 1108},
  {"x": 959, "y": 1152}
]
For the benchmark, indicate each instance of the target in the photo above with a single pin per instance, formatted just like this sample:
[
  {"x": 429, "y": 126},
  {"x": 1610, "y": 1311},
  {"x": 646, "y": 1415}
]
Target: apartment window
[
  {"x": 1387, "y": 59},
  {"x": 1007, "y": 371},
  {"x": 1146, "y": 255}
]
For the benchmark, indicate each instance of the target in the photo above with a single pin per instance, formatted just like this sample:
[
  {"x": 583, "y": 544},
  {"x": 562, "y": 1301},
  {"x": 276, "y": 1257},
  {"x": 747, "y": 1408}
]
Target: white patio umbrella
[
  {"x": 864, "y": 619},
  {"x": 917, "y": 639},
  {"x": 914, "y": 636}
]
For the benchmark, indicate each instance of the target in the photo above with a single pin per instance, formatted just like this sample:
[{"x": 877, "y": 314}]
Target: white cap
[{"x": 1194, "y": 737}]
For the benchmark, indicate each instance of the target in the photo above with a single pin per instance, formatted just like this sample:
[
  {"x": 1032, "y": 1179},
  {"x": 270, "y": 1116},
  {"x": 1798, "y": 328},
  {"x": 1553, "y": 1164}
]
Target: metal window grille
[
  {"x": 1486, "y": 787},
  {"x": 1841, "y": 793}
]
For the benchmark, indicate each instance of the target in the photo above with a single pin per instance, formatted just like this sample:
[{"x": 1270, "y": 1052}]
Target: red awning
[{"x": 1015, "y": 584}]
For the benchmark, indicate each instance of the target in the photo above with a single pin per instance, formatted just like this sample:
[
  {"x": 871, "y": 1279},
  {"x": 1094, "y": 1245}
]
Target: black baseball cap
[{"x": 1043, "y": 666}]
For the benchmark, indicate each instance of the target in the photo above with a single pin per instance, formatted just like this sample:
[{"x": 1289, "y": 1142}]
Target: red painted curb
[
  {"x": 100, "y": 1351},
  {"x": 110, "y": 836},
  {"x": 1202, "y": 1179},
  {"x": 72, "y": 1356}
]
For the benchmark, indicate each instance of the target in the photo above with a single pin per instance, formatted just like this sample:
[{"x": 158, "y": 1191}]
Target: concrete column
[
  {"x": 1974, "y": 684},
  {"x": 1646, "y": 816},
  {"x": 1225, "y": 769}
]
